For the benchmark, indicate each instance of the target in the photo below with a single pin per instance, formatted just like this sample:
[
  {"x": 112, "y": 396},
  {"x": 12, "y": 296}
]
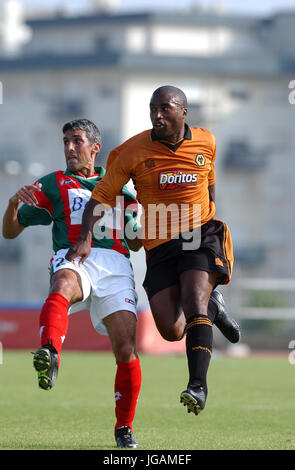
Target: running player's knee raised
[
  {"x": 172, "y": 333},
  {"x": 65, "y": 285}
]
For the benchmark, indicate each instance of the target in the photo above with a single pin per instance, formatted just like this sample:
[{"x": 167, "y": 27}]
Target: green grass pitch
[{"x": 250, "y": 404}]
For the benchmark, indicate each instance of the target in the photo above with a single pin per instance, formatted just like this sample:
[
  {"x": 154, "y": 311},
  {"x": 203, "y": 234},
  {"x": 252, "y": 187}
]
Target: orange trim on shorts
[{"x": 227, "y": 249}]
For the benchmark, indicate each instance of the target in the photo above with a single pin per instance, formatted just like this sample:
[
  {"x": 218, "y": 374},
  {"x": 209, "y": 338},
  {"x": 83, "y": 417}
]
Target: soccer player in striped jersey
[
  {"x": 103, "y": 284},
  {"x": 173, "y": 168}
]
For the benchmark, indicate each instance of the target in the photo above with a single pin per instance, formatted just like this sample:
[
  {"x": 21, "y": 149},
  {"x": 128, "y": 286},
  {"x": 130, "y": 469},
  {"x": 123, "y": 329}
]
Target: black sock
[{"x": 199, "y": 339}]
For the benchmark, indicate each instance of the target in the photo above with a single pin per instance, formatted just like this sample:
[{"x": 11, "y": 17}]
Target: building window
[
  {"x": 250, "y": 256},
  {"x": 10, "y": 251},
  {"x": 241, "y": 155},
  {"x": 195, "y": 113},
  {"x": 102, "y": 43},
  {"x": 66, "y": 107},
  {"x": 239, "y": 94}
]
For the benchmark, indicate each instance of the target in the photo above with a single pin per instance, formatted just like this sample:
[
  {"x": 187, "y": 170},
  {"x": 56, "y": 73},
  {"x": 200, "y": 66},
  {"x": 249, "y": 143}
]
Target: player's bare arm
[
  {"x": 92, "y": 214},
  {"x": 136, "y": 243},
  {"x": 11, "y": 227},
  {"x": 212, "y": 192}
]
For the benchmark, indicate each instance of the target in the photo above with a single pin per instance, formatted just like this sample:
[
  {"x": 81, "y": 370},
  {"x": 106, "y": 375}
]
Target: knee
[
  {"x": 65, "y": 285},
  {"x": 125, "y": 351},
  {"x": 173, "y": 333},
  {"x": 61, "y": 284}
]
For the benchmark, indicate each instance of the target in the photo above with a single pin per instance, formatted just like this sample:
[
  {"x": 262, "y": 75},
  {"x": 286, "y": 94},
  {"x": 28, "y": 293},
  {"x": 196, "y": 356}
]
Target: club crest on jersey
[
  {"x": 200, "y": 159},
  {"x": 68, "y": 181},
  {"x": 172, "y": 179}
]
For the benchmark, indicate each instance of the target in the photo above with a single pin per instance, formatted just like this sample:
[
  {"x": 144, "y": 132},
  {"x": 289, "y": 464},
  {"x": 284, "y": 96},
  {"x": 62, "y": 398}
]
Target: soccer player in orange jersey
[{"x": 172, "y": 166}]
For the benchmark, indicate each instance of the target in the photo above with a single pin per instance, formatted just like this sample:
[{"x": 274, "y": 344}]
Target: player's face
[
  {"x": 79, "y": 153},
  {"x": 167, "y": 117}
]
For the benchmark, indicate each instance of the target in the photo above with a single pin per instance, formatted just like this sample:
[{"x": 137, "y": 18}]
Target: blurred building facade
[{"x": 235, "y": 71}]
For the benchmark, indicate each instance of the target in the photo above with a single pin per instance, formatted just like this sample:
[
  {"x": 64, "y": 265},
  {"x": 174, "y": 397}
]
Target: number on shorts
[{"x": 59, "y": 262}]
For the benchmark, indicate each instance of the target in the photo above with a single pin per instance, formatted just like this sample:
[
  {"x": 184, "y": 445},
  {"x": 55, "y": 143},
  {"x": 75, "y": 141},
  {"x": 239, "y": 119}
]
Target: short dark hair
[
  {"x": 92, "y": 131},
  {"x": 177, "y": 93}
]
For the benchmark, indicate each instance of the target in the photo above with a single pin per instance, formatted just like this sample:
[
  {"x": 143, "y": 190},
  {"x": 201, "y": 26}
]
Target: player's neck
[
  {"x": 85, "y": 172},
  {"x": 176, "y": 137}
]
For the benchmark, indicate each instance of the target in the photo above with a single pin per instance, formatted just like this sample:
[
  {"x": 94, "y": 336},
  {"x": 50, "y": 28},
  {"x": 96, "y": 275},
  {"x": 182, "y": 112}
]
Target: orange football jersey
[{"x": 171, "y": 181}]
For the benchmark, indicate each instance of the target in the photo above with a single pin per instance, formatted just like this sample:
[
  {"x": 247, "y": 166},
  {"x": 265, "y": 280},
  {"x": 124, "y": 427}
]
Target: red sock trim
[{"x": 129, "y": 365}]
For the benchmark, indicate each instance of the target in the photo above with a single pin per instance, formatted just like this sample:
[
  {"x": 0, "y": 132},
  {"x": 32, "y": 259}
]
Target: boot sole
[
  {"x": 130, "y": 446},
  {"x": 191, "y": 403},
  {"x": 41, "y": 363}
]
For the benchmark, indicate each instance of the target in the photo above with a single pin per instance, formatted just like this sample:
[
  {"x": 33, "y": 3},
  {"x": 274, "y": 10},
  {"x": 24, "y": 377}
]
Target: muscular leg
[
  {"x": 192, "y": 296},
  {"x": 121, "y": 327},
  {"x": 170, "y": 307},
  {"x": 67, "y": 283},
  {"x": 65, "y": 289},
  {"x": 167, "y": 313},
  {"x": 196, "y": 288}
]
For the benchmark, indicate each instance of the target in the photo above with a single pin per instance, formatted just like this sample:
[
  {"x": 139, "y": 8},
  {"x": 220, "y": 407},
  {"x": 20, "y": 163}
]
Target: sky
[{"x": 256, "y": 7}]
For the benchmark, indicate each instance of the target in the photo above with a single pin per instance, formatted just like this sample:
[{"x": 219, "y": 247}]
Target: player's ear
[
  {"x": 96, "y": 147},
  {"x": 184, "y": 112}
]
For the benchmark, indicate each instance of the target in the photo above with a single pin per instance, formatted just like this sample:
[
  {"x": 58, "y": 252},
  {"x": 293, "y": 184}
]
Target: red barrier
[
  {"x": 19, "y": 329},
  {"x": 149, "y": 339}
]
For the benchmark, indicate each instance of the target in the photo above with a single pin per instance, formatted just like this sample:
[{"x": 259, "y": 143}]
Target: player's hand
[
  {"x": 81, "y": 249},
  {"x": 26, "y": 194}
]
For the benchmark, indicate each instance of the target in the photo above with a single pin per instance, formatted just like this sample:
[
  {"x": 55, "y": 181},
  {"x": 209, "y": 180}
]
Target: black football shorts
[{"x": 167, "y": 261}]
